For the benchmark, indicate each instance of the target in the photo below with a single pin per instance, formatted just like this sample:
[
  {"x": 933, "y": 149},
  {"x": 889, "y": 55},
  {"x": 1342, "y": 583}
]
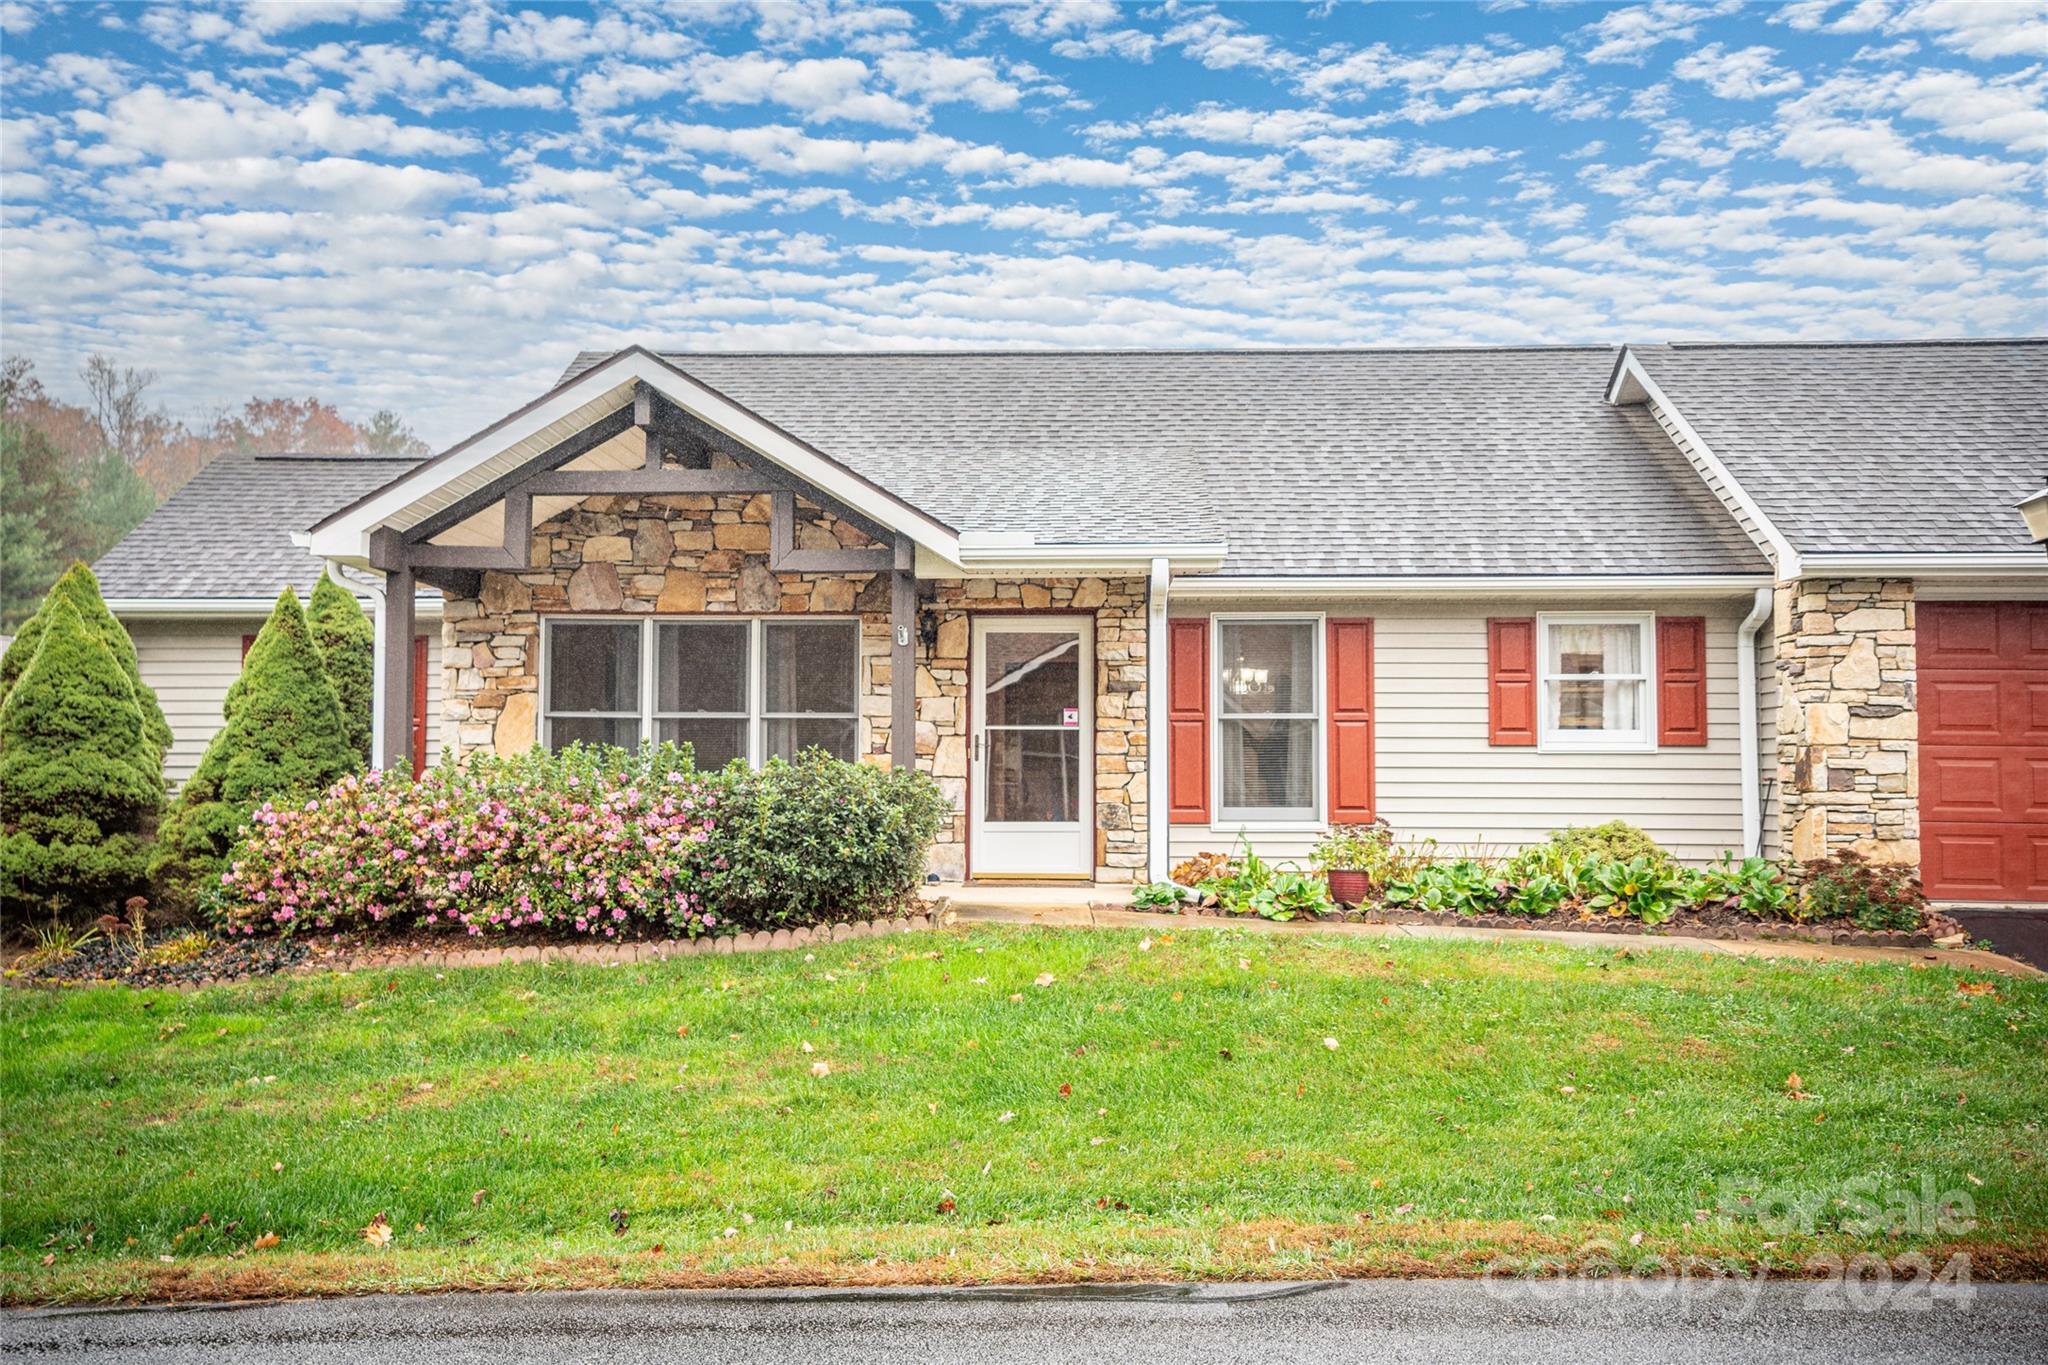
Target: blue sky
[{"x": 433, "y": 207}]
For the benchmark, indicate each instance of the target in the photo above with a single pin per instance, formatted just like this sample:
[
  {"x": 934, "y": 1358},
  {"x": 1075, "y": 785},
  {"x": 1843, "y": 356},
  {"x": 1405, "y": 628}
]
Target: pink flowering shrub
[{"x": 586, "y": 841}]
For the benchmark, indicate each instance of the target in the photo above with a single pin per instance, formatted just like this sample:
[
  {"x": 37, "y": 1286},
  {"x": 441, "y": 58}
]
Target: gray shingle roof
[
  {"x": 227, "y": 533},
  {"x": 1466, "y": 461},
  {"x": 1916, "y": 447}
]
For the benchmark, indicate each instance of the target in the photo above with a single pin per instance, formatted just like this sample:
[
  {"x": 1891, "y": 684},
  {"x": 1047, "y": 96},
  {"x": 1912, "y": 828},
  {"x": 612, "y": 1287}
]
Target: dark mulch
[
  {"x": 110, "y": 959},
  {"x": 1716, "y": 921},
  {"x": 2016, "y": 933}
]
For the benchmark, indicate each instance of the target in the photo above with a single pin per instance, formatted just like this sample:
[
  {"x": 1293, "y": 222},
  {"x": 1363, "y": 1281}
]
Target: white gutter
[
  {"x": 1748, "y": 727},
  {"x": 203, "y": 608},
  {"x": 1474, "y": 585},
  {"x": 2022, "y": 563},
  {"x": 1156, "y": 855}
]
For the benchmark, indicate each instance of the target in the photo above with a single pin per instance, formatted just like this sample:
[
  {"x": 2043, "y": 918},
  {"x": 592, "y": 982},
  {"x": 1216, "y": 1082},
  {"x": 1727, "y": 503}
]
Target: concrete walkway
[{"x": 1106, "y": 907}]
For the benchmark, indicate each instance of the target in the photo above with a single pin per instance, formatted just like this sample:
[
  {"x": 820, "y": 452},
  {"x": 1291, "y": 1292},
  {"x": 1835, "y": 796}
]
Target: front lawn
[{"x": 1017, "y": 1105}]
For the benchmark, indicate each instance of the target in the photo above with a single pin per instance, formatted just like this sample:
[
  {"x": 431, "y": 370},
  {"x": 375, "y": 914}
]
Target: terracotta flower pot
[{"x": 1349, "y": 886}]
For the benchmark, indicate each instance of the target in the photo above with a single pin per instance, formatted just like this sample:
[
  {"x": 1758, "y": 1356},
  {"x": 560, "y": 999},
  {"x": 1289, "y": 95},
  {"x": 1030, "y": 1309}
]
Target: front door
[{"x": 1032, "y": 774}]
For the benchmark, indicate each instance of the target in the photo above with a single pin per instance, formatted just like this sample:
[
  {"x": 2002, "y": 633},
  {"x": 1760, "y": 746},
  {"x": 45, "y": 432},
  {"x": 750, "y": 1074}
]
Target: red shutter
[
  {"x": 1681, "y": 680},
  {"x": 1187, "y": 721},
  {"x": 1350, "y": 665},
  {"x": 419, "y": 704},
  {"x": 247, "y": 642},
  {"x": 1511, "y": 680}
]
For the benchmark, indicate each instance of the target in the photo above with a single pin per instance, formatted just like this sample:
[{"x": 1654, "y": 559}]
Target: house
[
  {"x": 1131, "y": 606},
  {"x": 194, "y": 582}
]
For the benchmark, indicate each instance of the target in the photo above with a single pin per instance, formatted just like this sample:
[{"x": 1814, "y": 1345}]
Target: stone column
[{"x": 1848, "y": 727}]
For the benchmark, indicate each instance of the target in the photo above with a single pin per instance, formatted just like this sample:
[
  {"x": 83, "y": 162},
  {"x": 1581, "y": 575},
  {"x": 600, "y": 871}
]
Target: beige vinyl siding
[
  {"x": 192, "y": 663},
  {"x": 1437, "y": 776}
]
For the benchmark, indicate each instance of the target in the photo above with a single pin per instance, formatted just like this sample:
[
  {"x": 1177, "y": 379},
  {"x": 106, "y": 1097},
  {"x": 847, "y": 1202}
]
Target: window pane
[
  {"x": 1032, "y": 676},
  {"x": 788, "y": 738},
  {"x": 1269, "y": 667},
  {"x": 1034, "y": 776},
  {"x": 713, "y": 743},
  {"x": 593, "y": 667},
  {"x": 810, "y": 666},
  {"x": 1596, "y": 648},
  {"x": 701, "y": 666},
  {"x": 1268, "y": 767},
  {"x": 1582, "y": 705},
  {"x": 623, "y": 731}
]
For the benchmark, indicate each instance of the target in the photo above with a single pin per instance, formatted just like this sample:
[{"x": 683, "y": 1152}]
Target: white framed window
[
  {"x": 1268, "y": 729},
  {"x": 1594, "y": 671},
  {"x": 731, "y": 687}
]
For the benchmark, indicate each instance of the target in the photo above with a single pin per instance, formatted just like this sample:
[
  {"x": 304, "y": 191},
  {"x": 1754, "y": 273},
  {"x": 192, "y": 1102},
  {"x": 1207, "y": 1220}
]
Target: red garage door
[{"x": 1984, "y": 750}]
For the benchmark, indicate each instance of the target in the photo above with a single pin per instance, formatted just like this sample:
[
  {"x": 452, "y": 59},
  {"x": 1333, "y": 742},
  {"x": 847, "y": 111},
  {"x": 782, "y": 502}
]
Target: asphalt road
[
  {"x": 1466, "y": 1322},
  {"x": 2016, "y": 933}
]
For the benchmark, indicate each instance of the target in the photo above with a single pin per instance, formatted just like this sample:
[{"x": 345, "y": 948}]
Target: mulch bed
[
  {"x": 1713, "y": 922},
  {"x": 106, "y": 959}
]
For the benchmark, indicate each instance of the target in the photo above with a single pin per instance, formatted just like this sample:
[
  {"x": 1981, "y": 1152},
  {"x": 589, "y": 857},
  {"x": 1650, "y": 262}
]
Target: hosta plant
[{"x": 1640, "y": 888}]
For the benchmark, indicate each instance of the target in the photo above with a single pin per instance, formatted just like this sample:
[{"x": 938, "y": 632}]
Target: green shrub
[
  {"x": 1868, "y": 895},
  {"x": 283, "y": 738},
  {"x": 347, "y": 645},
  {"x": 1249, "y": 885},
  {"x": 1157, "y": 896},
  {"x": 1352, "y": 848},
  {"x": 1463, "y": 886},
  {"x": 81, "y": 779},
  {"x": 81, "y": 589},
  {"x": 1756, "y": 886},
  {"x": 1642, "y": 888},
  {"x": 820, "y": 839},
  {"x": 589, "y": 841},
  {"x": 1616, "y": 841}
]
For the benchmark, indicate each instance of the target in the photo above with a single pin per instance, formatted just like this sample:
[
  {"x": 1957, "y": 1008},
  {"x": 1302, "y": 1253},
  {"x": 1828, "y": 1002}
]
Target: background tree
[
  {"x": 117, "y": 397},
  {"x": 387, "y": 434},
  {"x": 347, "y": 644},
  {"x": 82, "y": 779},
  {"x": 284, "y": 737},
  {"x": 80, "y": 590}
]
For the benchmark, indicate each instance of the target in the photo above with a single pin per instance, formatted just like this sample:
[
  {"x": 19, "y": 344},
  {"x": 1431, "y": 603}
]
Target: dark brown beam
[
  {"x": 452, "y": 582},
  {"x": 590, "y": 482},
  {"x": 563, "y": 451},
  {"x": 394, "y": 670},
  {"x": 903, "y": 656}
]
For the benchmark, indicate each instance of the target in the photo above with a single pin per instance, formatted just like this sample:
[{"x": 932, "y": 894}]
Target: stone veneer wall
[
  {"x": 1848, "y": 727},
  {"x": 695, "y": 554}
]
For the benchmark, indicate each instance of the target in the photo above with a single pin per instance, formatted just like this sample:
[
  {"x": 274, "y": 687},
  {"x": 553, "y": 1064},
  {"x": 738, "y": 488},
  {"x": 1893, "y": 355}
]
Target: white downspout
[
  {"x": 1745, "y": 689},
  {"x": 1156, "y": 856},
  {"x": 379, "y": 657}
]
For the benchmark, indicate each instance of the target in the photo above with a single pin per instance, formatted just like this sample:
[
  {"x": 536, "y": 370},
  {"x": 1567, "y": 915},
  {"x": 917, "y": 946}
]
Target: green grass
[{"x": 1161, "y": 1110}]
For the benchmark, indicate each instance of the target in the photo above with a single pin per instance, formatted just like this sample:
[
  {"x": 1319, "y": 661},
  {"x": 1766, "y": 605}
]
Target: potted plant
[{"x": 1351, "y": 858}]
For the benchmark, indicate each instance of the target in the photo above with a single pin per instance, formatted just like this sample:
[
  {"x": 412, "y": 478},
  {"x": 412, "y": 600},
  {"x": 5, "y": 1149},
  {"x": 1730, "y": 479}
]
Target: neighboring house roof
[
  {"x": 1308, "y": 463},
  {"x": 1872, "y": 447},
  {"x": 227, "y": 534}
]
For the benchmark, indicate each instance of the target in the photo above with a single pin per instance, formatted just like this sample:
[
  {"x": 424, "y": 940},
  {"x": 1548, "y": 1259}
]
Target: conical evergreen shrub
[
  {"x": 81, "y": 589},
  {"x": 283, "y": 738},
  {"x": 80, "y": 784},
  {"x": 348, "y": 649}
]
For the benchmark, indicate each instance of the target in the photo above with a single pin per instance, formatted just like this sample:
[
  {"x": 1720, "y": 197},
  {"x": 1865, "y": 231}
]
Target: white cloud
[
  {"x": 1875, "y": 152},
  {"x": 17, "y": 18},
  {"x": 1631, "y": 33},
  {"x": 2007, "y": 28},
  {"x": 1451, "y": 70},
  {"x": 940, "y": 78},
  {"x": 222, "y": 123},
  {"x": 1744, "y": 74}
]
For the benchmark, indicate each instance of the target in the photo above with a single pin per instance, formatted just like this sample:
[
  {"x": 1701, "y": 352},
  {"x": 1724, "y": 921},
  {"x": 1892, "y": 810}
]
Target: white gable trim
[
  {"x": 346, "y": 536},
  {"x": 1632, "y": 384}
]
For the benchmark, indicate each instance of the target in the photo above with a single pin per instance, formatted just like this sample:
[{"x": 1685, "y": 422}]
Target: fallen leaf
[
  {"x": 479, "y": 1197},
  {"x": 1635, "y": 1239},
  {"x": 378, "y": 1233},
  {"x": 947, "y": 1205},
  {"x": 821, "y": 1069},
  {"x": 1330, "y": 1043},
  {"x": 1006, "y": 1116},
  {"x": 1144, "y": 945},
  {"x": 265, "y": 1242},
  {"x": 806, "y": 1047},
  {"x": 1066, "y": 1089},
  {"x": 1044, "y": 979}
]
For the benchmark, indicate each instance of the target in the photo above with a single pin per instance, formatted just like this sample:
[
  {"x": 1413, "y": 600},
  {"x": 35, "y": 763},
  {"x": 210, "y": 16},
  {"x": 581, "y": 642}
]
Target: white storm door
[{"x": 1032, "y": 770}]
